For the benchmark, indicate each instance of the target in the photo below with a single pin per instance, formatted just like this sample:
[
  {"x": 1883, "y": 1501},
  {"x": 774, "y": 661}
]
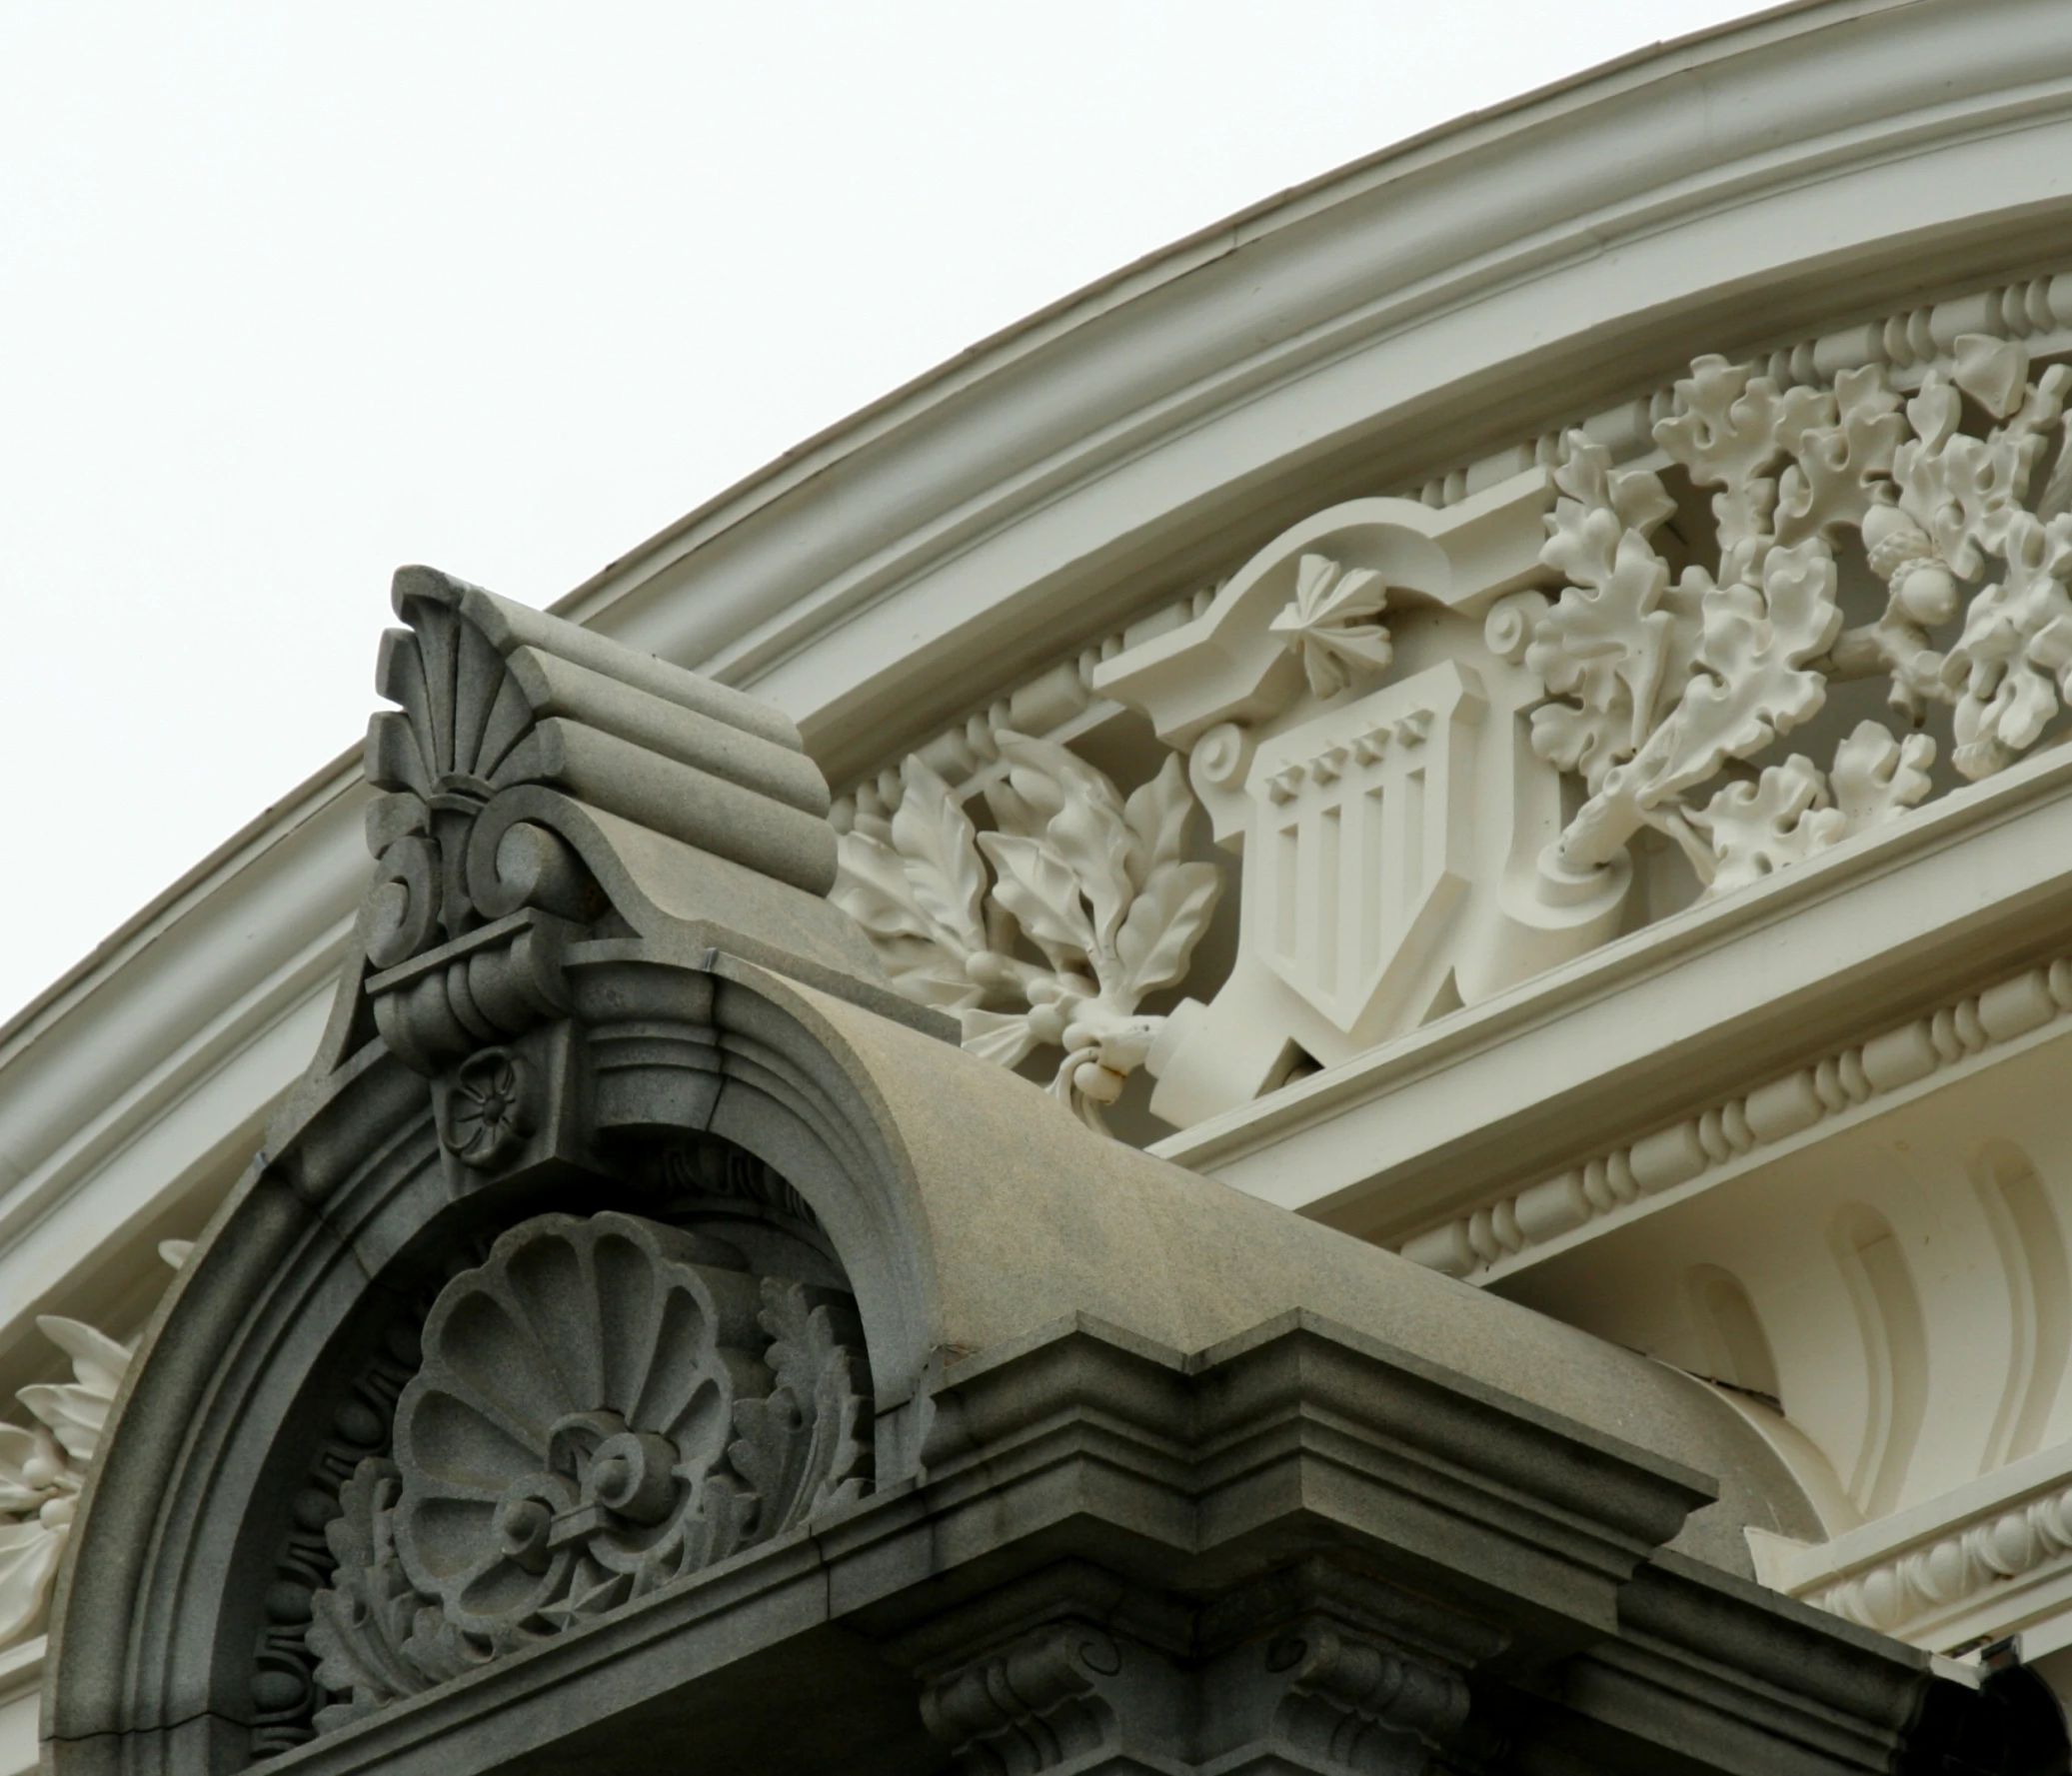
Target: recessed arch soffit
[{"x": 1425, "y": 745}]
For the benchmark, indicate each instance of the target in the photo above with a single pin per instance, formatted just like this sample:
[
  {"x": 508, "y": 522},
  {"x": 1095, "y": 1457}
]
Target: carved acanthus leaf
[
  {"x": 360, "y": 1628},
  {"x": 804, "y": 1446}
]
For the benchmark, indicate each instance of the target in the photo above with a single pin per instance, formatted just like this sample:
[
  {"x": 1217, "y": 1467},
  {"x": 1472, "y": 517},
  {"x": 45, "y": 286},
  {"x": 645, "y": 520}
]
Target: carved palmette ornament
[
  {"x": 606, "y": 1405},
  {"x": 523, "y": 756}
]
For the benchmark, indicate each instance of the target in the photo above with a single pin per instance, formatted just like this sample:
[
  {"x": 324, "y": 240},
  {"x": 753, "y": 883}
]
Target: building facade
[{"x": 1310, "y": 1020}]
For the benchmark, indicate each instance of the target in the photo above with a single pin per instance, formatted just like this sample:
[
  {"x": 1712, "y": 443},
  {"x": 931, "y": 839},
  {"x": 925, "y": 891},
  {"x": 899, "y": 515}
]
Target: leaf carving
[
  {"x": 1331, "y": 623},
  {"x": 1101, "y": 885},
  {"x": 933, "y": 837},
  {"x": 361, "y": 1622},
  {"x": 1782, "y": 817},
  {"x": 803, "y": 1449}
]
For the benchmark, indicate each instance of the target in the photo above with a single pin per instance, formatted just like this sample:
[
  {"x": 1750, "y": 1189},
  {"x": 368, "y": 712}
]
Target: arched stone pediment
[
  {"x": 634, "y": 1326},
  {"x": 1419, "y": 707}
]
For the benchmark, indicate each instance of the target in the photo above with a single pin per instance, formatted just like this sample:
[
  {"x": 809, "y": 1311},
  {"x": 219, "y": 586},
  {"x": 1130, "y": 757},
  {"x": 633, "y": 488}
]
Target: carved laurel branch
[
  {"x": 1656, "y": 686},
  {"x": 42, "y": 1465},
  {"x": 1095, "y": 885},
  {"x": 1723, "y": 1132}
]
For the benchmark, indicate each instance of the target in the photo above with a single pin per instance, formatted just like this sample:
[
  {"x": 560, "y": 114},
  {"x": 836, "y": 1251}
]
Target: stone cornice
[{"x": 1713, "y": 1143}]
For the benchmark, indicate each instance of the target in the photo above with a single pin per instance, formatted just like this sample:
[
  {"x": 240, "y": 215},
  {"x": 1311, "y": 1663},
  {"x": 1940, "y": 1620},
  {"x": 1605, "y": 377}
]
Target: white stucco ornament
[
  {"x": 1095, "y": 885},
  {"x": 43, "y": 1465},
  {"x": 1389, "y": 807}
]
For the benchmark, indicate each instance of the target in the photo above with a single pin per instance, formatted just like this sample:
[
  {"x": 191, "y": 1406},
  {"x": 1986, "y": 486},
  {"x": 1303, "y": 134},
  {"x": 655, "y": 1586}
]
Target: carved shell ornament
[{"x": 606, "y": 1405}]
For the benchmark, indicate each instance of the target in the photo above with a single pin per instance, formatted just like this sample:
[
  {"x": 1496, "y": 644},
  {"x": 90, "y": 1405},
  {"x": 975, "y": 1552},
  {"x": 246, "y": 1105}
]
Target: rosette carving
[{"x": 607, "y": 1405}]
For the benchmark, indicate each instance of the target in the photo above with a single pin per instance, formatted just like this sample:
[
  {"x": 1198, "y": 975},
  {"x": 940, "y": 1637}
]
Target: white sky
[{"x": 291, "y": 294}]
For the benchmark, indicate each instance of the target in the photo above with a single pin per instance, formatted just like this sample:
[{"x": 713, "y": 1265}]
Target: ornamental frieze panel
[{"x": 1441, "y": 745}]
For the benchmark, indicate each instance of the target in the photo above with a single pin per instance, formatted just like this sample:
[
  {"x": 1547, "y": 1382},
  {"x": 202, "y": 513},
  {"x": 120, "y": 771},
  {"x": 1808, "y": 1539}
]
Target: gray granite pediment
[{"x": 645, "y": 1340}]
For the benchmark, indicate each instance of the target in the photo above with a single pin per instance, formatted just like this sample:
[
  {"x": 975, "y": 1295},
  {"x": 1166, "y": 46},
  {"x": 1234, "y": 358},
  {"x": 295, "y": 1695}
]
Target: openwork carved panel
[{"x": 1801, "y": 596}]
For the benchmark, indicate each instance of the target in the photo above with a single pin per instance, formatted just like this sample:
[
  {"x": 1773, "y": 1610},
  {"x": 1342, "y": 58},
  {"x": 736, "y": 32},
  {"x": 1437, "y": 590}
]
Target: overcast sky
[{"x": 291, "y": 294}]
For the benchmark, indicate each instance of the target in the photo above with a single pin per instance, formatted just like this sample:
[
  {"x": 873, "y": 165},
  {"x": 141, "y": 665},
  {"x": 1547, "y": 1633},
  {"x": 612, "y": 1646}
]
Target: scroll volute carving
[
  {"x": 606, "y": 1405},
  {"x": 529, "y": 774}
]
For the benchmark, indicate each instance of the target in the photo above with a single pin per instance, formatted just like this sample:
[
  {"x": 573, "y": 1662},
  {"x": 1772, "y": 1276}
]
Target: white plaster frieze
[
  {"x": 1711, "y": 1142},
  {"x": 1985, "y": 1560},
  {"x": 1637, "y": 661}
]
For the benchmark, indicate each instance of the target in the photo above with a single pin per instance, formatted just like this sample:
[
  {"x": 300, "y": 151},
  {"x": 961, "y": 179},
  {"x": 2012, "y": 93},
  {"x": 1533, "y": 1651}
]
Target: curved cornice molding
[
  {"x": 1499, "y": 275},
  {"x": 1447, "y": 297}
]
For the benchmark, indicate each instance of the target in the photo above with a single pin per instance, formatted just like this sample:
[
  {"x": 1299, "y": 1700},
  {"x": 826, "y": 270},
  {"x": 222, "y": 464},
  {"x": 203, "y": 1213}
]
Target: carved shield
[{"x": 1361, "y": 840}]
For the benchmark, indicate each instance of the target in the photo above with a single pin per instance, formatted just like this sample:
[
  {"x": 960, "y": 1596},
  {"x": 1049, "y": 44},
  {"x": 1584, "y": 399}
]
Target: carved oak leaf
[
  {"x": 1966, "y": 491},
  {"x": 2016, "y": 649},
  {"x": 1099, "y": 886},
  {"x": 1842, "y": 463},
  {"x": 1036, "y": 884},
  {"x": 934, "y": 836},
  {"x": 1165, "y": 922},
  {"x": 1732, "y": 427},
  {"x": 1634, "y": 497},
  {"x": 1094, "y": 842},
  {"x": 1877, "y": 779},
  {"x": 1753, "y": 682},
  {"x": 919, "y": 892},
  {"x": 1329, "y": 625},
  {"x": 1158, "y": 815},
  {"x": 1618, "y": 633},
  {"x": 1755, "y": 829},
  {"x": 1603, "y": 644},
  {"x": 1032, "y": 791}
]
